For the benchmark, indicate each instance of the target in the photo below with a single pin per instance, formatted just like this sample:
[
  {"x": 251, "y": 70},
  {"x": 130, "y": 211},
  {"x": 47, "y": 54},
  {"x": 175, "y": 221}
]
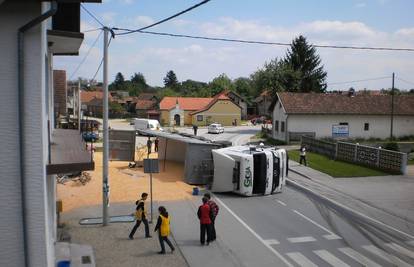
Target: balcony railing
[{"x": 69, "y": 153}]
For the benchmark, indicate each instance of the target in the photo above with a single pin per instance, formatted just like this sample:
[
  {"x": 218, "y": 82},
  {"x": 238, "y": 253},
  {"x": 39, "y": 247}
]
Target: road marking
[
  {"x": 358, "y": 257},
  {"x": 301, "y": 239},
  {"x": 254, "y": 233},
  {"x": 352, "y": 210},
  {"x": 301, "y": 259},
  {"x": 385, "y": 256},
  {"x": 401, "y": 249},
  {"x": 281, "y": 203},
  {"x": 331, "y": 235},
  {"x": 330, "y": 258},
  {"x": 272, "y": 241}
]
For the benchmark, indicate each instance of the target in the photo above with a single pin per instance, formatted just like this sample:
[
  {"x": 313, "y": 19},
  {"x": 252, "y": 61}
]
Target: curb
[
  {"x": 301, "y": 174},
  {"x": 342, "y": 208}
]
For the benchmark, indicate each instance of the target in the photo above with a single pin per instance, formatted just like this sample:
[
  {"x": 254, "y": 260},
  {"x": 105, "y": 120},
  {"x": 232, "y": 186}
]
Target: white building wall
[
  {"x": 379, "y": 126},
  {"x": 279, "y": 115},
  {"x": 40, "y": 239},
  {"x": 177, "y": 111}
]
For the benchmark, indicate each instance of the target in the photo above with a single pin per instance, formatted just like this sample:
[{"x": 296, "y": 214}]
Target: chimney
[{"x": 59, "y": 91}]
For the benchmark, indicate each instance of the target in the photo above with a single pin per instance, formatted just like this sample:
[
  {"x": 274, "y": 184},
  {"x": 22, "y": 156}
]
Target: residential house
[
  {"x": 33, "y": 32},
  {"x": 92, "y": 102},
  {"x": 263, "y": 103},
  {"x": 199, "y": 110},
  {"x": 237, "y": 99},
  {"x": 341, "y": 116}
]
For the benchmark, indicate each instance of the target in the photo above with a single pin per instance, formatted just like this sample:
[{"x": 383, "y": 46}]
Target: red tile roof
[
  {"x": 145, "y": 104},
  {"x": 185, "y": 103},
  {"x": 87, "y": 96},
  {"x": 312, "y": 103},
  {"x": 220, "y": 96}
]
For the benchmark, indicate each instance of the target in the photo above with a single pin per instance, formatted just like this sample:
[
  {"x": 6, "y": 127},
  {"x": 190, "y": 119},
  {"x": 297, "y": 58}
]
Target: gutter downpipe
[{"x": 20, "y": 114}]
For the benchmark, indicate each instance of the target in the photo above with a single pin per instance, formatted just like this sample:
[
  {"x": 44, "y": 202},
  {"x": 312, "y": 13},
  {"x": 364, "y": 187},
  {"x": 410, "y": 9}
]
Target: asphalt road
[{"x": 305, "y": 232}]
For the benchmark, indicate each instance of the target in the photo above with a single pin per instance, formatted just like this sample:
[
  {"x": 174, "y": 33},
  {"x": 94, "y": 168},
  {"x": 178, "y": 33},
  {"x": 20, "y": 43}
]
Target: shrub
[{"x": 391, "y": 146}]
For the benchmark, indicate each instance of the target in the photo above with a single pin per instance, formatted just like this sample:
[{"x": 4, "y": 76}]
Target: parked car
[
  {"x": 215, "y": 128},
  {"x": 258, "y": 120},
  {"x": 90, "y": 136}
]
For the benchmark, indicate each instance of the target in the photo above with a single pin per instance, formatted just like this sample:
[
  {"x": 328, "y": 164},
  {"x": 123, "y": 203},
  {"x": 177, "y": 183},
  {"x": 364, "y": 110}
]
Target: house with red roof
[
  {"x": 200, "y": 111},
  {"x": 341, "y": 116}
]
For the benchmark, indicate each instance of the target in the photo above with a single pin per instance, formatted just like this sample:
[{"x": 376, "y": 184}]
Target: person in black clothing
[
  {"x": 141, "y": 216},
  {"x": 156, "y": 144},
  {"x": 163, "y": 228},
  {"x": 149, "y": 145},
  {"x": 195, "y": 127}
]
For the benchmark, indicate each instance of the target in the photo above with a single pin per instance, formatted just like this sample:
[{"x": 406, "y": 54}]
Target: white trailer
[{"x": 249, "y": 170}]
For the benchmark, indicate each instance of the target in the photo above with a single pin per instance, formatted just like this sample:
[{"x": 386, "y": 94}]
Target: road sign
[{"x": 151, "y": 166}]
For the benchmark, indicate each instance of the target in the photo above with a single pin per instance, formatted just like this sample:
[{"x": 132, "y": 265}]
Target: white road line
[
  {"x": 401, "y": 250},
  {"x": 272, "y": 241},
  {"x": 331, "y": 235},
  {"x": 301, "y": 239},
  {"x": 330, "y": 258},
  {"x": 281, "y": 203},
  {"x": 385, "y": 256},
  {"x": 301, "y": 259},
  {"x": 358, "y": 257},
  {"x": 254, "y": 233},
  {"x": 356, "y": 212}
]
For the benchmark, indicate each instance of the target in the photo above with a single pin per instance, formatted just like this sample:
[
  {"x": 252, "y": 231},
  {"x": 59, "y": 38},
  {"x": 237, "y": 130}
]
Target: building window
[
  {"x": 199, "y": 117},
  {"x": 277, "y": 126},
  {"x": 343, "y": 123},
  {"x": 282, "y": 126},
  {"x": 366, "y": 126}
]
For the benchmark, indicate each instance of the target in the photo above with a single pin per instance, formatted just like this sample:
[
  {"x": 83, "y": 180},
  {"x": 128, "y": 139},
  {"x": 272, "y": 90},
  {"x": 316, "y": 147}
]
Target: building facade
[
  {"x": 341, "y": 116},
  {"x": 33, "y": 32}
]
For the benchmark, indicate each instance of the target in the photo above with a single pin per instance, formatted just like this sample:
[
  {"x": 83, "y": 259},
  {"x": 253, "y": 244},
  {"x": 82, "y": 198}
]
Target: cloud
[
  {"x": 360, "y": 5},
  {"x": 204, "y": 60},
  {"x": 108, "y": 17}
]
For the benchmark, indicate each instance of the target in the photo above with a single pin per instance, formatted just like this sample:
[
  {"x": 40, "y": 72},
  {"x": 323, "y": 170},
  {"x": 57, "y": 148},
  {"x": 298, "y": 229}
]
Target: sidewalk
[{"x": 387, "y": 198}]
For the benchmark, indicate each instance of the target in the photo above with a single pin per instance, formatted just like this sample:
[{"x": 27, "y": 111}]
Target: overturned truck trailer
[{"x": 249, "y": 170}]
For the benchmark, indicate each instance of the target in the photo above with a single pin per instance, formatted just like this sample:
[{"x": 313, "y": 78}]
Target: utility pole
[
  {"x": 105, "y": 182},
  {"x": 392, "y": 107}
]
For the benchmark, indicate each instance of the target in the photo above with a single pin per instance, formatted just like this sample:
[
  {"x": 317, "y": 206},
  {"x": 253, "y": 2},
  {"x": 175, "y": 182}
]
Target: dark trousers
[
  {"x": 156, "y": 148},
  {"x": 162, "y": 239},
  {"x": 213, "y": 229},
  {"x": 302, "y": 158},
  {"x": 137, "y": 224},
  {"x": 205, "y": 229}
]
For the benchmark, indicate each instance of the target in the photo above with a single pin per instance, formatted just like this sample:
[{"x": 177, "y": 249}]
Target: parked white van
[{"x": 147, "y": 124}]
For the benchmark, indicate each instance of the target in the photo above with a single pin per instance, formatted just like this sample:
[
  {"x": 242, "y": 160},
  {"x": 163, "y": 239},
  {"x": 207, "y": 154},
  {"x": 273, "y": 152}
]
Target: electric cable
[
  {"x": 92, "y": 15},
  {"x": 408, "y": 82},
  {"x": 363, "y": 80}
]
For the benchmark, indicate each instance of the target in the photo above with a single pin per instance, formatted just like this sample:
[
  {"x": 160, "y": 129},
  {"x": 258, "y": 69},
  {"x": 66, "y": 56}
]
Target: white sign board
[{"x": 340, "y": 131}]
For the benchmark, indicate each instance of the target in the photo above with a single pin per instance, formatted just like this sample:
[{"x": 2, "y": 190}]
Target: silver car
[{"x": 215, "y": 128}]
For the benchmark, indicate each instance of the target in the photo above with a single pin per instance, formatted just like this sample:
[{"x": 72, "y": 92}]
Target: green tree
[
  {"x": 192, "y": 88},
  {"x": 302, "y": 57},
  {"x": 116, "y": 108},
  {"x": 139, "y": 79},
  {"x": 243, "y": 86},
  {"x": 170, "y": 80},
  {"x": 220, "y": 83},
  {"x": 118, "y": 83}
]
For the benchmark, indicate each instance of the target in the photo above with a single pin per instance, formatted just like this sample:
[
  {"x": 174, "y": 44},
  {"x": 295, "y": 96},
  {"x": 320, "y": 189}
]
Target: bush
[{"x": 391, "y": 146}]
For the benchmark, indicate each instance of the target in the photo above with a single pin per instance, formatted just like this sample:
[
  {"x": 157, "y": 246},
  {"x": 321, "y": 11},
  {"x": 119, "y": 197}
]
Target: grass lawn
[
  {"x": 411, "y": 161},
  {"x": 335, "y": 168}
]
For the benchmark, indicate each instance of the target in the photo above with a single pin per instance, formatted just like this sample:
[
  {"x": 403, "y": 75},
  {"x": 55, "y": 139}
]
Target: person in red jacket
[
  {"x": 204, "y": 214},
  {"x": 214, "y": 209}
]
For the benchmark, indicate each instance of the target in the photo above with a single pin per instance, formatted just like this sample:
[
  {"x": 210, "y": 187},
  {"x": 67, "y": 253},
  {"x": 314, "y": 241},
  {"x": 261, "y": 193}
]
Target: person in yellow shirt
[
  {"x": 140, "y": 216},
  {"x": 163, "y": 228}
]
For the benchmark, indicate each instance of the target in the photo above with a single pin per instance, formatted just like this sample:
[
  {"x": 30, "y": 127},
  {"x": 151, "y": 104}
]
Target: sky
[{"x": 376, "y": 23}]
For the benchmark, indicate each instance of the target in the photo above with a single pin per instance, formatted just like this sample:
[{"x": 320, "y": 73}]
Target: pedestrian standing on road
[
  {"x": 163, "y": 228},
  {"x": 149, "y": 145},
  {"x": 302, "y": 155},
  {"x": 140, "y": 216},
  {"x": 195, "y": 127},
  {"x": 214, "y": 210},
  {"x": 156, "y": 144},
  {"x": 204, "y": 214}
]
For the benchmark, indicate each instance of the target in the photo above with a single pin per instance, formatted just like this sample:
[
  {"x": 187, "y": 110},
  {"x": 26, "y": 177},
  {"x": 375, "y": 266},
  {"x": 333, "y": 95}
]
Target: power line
[
  {"x": 86, "y": 55},
  {"x": 364, "y": 80},
  {"x": 92, "y": 15},
  {"x": 408, "y": 82},
  {"x": 128, "y": 31},
  {"x": 92, "y": 30},
  {"x": 102, "y": 60},
  {"x": 262, "y": 42}
]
